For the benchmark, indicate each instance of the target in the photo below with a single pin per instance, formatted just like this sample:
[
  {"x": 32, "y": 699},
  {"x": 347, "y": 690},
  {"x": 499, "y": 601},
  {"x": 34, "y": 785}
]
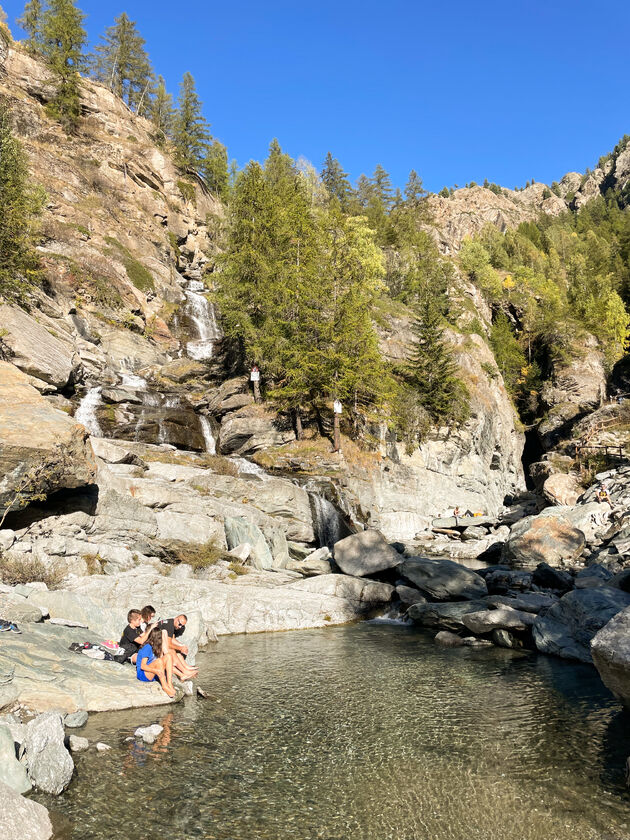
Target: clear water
[{"x": 362, "y": 732}]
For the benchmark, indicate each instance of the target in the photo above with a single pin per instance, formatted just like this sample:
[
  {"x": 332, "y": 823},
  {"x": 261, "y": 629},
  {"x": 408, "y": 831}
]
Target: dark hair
[
  {"x": 155, "y": 640},
  {"x": 147, "y": 612},
  {"x": 181, "y": 615},
  {"x": 131, "y": 614}
]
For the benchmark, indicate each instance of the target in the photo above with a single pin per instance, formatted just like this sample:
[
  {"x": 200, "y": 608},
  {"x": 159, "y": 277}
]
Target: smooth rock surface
[
  {"x": 502, "y": 618},
  {"x": 610, "y": 649},
  {"x": 48, "y": 762},
  {"x": 443, "y": 579},
  {"x": 22, "y": 818},
  {"x": 365, "y": 553}
]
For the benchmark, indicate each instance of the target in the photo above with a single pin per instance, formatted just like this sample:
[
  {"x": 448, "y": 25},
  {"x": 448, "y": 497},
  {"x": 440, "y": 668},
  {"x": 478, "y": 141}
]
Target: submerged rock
[{"x": 149, "y": 734}]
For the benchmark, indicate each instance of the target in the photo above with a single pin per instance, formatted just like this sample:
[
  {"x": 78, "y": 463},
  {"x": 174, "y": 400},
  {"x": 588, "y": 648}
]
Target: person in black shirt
[
  {"x": 172, "y": 629},
  {"x": 133, "y": 637}
]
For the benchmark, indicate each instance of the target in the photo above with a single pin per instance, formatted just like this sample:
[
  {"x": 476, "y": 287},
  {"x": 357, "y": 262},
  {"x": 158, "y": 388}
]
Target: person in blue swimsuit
[{"x": 152, "y": 662}]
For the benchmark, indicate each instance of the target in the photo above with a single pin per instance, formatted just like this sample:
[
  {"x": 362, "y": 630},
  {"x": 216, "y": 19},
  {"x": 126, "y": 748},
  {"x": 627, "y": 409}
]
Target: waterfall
[
  {"x": 246, "y": 467},
  {"x": 201, "y": 313},
  {"x": 131, "y": 380},
  {"x": 206, "y": 430},
  {"x": 328, "y": 523},
  {"x": 86, "y": 412}
]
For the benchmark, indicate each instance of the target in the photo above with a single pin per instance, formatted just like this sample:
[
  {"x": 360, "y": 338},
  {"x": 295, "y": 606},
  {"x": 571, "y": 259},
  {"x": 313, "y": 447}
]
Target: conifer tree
[
  {"x": 63, "y": 38},
  {"x": 382, "y": 186},
  {"x": 31, "y": 23},
  {"x": 122, "y": 63},
  {"x": 191, "y": 132},
  {"x": 19, "y": 204},
  {"x": 161, "y": 112},
  {"x": 215, "y": 170},
  {"x": 365, "y": 191},
  {"x": 414, "y": 190},
  {"x": 336, "y": 180}
]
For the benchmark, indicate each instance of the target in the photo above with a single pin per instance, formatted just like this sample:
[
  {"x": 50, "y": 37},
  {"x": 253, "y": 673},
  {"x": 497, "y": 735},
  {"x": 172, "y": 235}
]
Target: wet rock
[
  {"x": 102, "y": 748},
  {"x": 568, "y": 627},
  {"x": 365, "y": 553},
  {"x": 503, "y": 618},
  {"x": 505, "y": 639},
  {"x": 12, "y": 772},
  {"x": 77, "y": 744},
  {"x": 410, "y": 595},
  {"x": 443, "y": 579},
  {"x": 48, "y": 762},
  {"x": 610, "y": 649},
  {"x": 16, "y": 811},
  {"x": 547, "y": 577},
  {"x": 149, "y": 734},
  {"x": 448, "y": 616},
  {"x": 75, "y": 720},
  {"x": 447, "y": 639},
  {"x": 550, "y": 539}
]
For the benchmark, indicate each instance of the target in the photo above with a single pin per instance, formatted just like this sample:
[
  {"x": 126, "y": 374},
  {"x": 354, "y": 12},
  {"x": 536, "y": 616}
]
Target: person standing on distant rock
[
  {"x": 254, "y": 378},
  {"x": 133, "y": 636},
  {"x": 153, "y": 661}
]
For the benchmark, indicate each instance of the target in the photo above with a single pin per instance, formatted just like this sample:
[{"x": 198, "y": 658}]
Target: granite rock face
[
  {"x": 443, "y": 579},
  {"x": 538, "y": 539},
  {"x": 365, "y": 553},
  {"x": 610, "y": 649},
  {"x": 16, "y": 811}
]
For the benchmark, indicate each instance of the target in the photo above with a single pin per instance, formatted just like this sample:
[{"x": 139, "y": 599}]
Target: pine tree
[
  {"x": 19, "y": 204},
  {"x": 382, "y": 186},
  {"x": 215, "y": 170},
  {"x": 432, "y": 371},
  {"x": 161, "y": 112},
  {"x": 31, "y": 23},
  {"x": 122, "y": 63},
  {"x": 336, "y": 180},
  {"x": 191, "y": 132},
  {"x": 414, "y": 190},
  {"x": 63, "y": 38}
]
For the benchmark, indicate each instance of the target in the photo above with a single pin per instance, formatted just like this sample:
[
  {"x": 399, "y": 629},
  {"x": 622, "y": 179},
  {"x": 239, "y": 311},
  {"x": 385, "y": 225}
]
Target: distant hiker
[
  {"x": 133, "y": 636},
  {"x": 337, "y": 412},
  {"x": 602, "y": 495},
  {"x": 172, "y": 629},
  {"x": 254, "y": 378},
  {"x": 153, "y": 661}
]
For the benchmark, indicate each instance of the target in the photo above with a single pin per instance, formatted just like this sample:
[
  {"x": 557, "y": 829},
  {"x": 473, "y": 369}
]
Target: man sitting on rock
[
  {"x": 171, "y": 629},
  {"x": 133, "y": 637}
]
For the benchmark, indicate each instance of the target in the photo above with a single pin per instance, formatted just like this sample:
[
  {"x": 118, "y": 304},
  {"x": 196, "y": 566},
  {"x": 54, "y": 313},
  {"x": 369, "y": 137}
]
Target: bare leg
[{"x": 157, "y": 669}]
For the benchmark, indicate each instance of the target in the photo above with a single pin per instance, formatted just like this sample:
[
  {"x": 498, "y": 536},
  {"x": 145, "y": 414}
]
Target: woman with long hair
[{"x": 153, "y": 662}]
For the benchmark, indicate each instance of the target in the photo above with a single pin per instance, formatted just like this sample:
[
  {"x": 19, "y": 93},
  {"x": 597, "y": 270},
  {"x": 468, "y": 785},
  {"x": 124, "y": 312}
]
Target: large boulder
[
  {"x": 365, "y": 554},
  {"x": 12, "y": 771},
  {"x": 34, "y": 349},
  {"x": 443, "y": 579},
  {"x": 562, "y": 489},
  {"x": 610, "y": 649},
  {"x": 446, "y": 616},
  {"x": 251, "y": 428},
  {"x": 23, "y": 818},
  {"x": 238, "y": 531},
  {"x": 48, "y": 762},
  {"x": 363, "y": 592},
  {"x": 41, "y": 448},
  {"x": 538, "y": 539},
  {"x": 503, "y": 618},
  {"x": 568, "y": 627}
]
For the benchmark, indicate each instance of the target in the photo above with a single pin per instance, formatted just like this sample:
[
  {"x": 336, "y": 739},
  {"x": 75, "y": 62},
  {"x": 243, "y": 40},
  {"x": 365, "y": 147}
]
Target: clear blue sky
[{"x": 457, "y": 90}]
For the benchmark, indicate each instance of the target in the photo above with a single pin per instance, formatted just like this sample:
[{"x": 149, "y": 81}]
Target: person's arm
[
  {"x": 144, "y": 661},
  {"x": 143, "y": 637},
  {"x": 179, "y": 646}
]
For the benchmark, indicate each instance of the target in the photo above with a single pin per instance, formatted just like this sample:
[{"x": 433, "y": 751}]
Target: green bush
[
  {"x": 140, "y": 276},
  {"x": 187, "y": 190}
]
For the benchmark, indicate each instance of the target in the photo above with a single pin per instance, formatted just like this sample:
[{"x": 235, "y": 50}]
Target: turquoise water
[{"x": 367, "y": 731}]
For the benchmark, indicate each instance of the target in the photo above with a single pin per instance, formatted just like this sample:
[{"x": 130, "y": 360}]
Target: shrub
[
  {"x": 94, "y": 563},
  {"x": 15, "y": 570},
  {"x": 197, "y": 556},
  {"x": 140, "y": 276},
  {"x": 238, "y": 569},
  {"x": 187, "y": 190}
]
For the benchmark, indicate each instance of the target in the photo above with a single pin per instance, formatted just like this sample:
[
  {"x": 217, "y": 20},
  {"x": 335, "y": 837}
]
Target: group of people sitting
[{"x": 153, "y": 647}]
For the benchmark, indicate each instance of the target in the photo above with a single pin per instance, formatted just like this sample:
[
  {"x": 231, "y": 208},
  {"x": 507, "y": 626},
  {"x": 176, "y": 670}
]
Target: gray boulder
[
  {"x": 444, "y": 616},
  {"x": 610, "y": 649},
  {"x": 547, "y": 577},
  {"x": 568, "y": 627},
  {"x": 78, "y": 744},
  {"x": 591, "y": 576},
  {"x": 238, "y": 531},
  {"x": 75, "y": 720},
  {"x": 48, "y": 762},
  {"x": 501, "y": 581},
  {"x": 29, "y": 817},
  {"x": 365, "y": 554},
  {"x": 504, "y": 618},
  {"x": 410, "y": 595},
  {"x": 538, "y": 539},
  {"x": 531, "y": 602},
  {"x": 443, "y": 579},
  {"x": 12, "y": 772}
]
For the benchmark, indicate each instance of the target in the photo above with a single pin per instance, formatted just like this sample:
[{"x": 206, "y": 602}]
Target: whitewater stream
[{"x": 365, "y": 732}]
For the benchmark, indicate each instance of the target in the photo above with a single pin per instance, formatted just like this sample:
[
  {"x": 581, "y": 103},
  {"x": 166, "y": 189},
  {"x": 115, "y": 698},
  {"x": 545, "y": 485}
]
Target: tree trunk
[
  {"x": 337, "y": 439},
  {"x": 299, "y": 431},
  {"x": 256, "y": 391}
]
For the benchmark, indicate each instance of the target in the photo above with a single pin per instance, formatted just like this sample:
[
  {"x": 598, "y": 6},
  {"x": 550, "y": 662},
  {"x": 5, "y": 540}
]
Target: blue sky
[{"x": 459, "y": 91}]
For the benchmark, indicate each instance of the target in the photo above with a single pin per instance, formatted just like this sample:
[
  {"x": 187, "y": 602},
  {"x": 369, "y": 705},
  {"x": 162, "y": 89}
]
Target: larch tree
[
  {"x": 161, "y": 112},
  {"x": 31, "y": 23},
  {"x": 336, "y": 180},
  {"x": 121, "y": 62},
  {"x": 20, "y": 203},
  {"x": 63, "y": 38},
  {"x": 215, "y": 170},
  {"x": 191, "y": 132}
]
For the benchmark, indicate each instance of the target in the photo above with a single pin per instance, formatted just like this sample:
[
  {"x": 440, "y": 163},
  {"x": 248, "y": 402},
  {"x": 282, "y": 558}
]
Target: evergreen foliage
[
  {"x": 336, "y": 180},
  {"x": 20, "y": 203},
  {"x": 31, "y": 23},
  {"x": 63, "y": 38},
  {"x": 121, "y": 62},
  {"x": 214, "y": 169},
  {"x": 191, "y": 132},
  {"x": 161, "y": 113}
]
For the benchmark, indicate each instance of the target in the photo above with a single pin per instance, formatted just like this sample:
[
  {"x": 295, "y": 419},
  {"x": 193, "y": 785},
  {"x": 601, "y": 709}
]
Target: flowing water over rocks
[
  {"x": 86, "y": 412},
  {"x": 200, "y": 312},
  {"x": 378, "y": 734}
]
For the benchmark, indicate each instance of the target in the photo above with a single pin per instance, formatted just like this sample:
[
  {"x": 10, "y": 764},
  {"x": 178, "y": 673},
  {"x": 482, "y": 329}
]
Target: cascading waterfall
[
  {"x": 246, "y": 467},
  {"x": 86, "y": 412},
  {"x": 328, "y": 523},
  {"x": 201, "y": 313},
  {"x": 206, "y": 431}
]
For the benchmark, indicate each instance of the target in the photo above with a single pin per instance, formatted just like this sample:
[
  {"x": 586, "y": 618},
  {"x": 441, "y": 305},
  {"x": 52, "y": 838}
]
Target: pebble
[
  {"x": 103, "y": 747},
  {"x": 76, "y": 720},
  {"x": 78, "y": 744},
  {"x": 148, "y": 734}
]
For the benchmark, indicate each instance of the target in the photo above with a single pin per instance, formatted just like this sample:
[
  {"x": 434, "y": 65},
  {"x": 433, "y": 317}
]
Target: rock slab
[
  {"x": 48, "y": 762},
  {"x": 443, "y": 579},
  {"x": 365, "y": 553},
  {"x": 17, "y": 812}
]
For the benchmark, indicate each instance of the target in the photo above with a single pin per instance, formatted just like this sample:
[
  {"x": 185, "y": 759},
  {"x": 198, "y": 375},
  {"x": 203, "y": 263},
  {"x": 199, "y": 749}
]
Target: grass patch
[
  {"x": 198, "y": 556},
  {"x": 238, "y": 569},
  {"x": 216, "y": 463},
  {"x": 140, "y": 276},
  {"x": 14, "y": 571},
  {"x": 94, "y": 563}
]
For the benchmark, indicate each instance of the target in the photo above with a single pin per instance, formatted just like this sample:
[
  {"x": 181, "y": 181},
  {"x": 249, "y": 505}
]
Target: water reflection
[{"x": 368, "y": 732}]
